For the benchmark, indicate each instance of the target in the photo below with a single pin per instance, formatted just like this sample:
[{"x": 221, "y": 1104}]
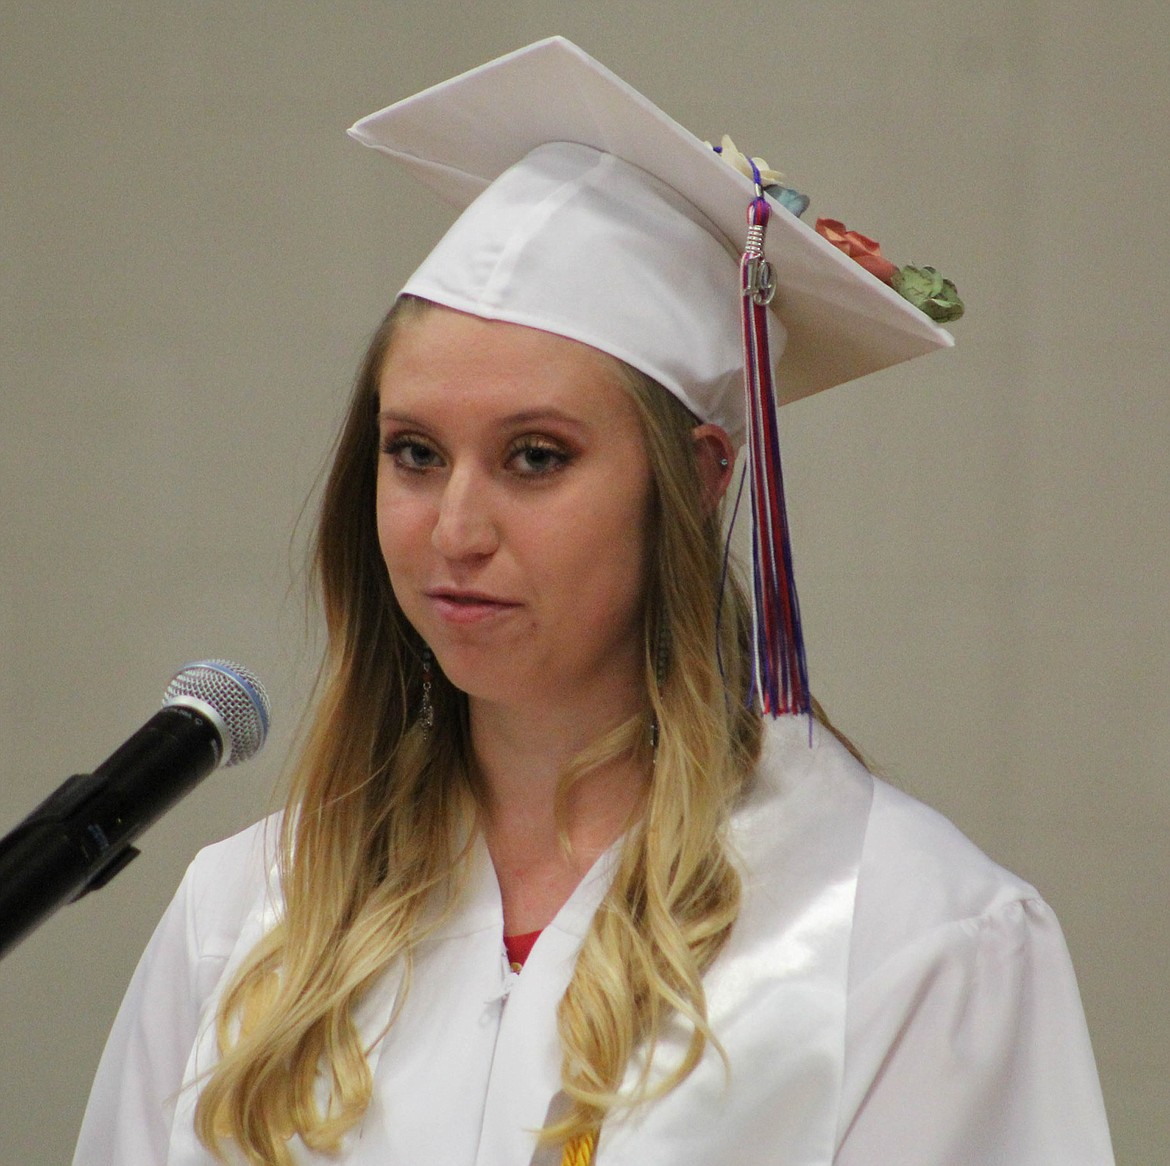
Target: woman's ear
[{"x": 715, "y": 460}]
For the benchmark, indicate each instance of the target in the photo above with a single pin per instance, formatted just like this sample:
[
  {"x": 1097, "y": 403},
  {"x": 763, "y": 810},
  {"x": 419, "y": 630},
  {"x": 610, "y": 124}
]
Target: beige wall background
[{"x": 194, "y": 255}]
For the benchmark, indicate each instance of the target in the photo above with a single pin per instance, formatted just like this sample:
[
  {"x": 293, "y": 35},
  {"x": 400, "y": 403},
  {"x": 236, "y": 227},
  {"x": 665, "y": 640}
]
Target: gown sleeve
[
  {"x": 968, "y": 1047},
  {"x": 132, "y": 1103}
]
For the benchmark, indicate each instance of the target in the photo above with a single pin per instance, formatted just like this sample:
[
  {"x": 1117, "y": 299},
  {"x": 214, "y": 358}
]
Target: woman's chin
[{"x": 486, "y": 682}]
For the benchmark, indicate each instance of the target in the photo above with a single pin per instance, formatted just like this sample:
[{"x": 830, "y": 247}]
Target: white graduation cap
[{"x": 592, "y": 214}]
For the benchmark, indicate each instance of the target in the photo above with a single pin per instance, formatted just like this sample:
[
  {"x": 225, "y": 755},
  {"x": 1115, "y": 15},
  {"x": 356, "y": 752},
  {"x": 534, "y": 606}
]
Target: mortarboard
[{"x": 592, "y": 214}]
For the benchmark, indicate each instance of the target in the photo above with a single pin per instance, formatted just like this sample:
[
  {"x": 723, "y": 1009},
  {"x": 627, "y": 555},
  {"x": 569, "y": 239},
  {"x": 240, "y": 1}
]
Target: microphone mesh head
[{"x": 237, "y": 696}]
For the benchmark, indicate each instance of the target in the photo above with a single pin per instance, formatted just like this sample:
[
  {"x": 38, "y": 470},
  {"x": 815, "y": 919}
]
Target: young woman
[{"x": 548, "y": 887}]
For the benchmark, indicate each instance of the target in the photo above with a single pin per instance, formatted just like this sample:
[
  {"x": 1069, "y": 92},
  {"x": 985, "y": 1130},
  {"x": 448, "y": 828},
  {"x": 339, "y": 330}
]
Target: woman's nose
[{"x": 465, "y": 527}]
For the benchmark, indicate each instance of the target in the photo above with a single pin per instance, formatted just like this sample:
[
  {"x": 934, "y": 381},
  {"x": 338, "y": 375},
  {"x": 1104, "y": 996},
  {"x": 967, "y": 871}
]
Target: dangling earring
[
  {"x": 660, "y": 657},
  {"x": 426, "y": 712},
  {"x": 660, "y": 661}
]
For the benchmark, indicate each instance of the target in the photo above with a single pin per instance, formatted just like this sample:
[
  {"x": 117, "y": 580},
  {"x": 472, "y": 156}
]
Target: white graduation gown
[{"x": 888, "y": 995}]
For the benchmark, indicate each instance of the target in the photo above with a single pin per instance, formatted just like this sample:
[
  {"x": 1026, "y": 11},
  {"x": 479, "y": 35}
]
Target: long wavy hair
[{"x": 380, "y": 814}]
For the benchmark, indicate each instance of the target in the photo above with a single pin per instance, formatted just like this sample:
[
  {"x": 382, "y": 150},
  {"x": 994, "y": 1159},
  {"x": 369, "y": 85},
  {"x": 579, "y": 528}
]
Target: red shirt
[{"x": 518, "y": 947}]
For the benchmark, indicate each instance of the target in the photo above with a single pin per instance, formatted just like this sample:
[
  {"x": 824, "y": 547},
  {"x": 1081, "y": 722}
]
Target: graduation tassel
[{"x": 780, "y": 670}]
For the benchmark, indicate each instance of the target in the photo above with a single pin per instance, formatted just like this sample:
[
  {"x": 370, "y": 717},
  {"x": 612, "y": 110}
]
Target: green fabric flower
[{"x": 926, "y": 289}]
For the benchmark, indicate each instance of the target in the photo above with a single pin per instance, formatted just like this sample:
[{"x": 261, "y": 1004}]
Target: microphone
[{"x": 214, "y": 713}]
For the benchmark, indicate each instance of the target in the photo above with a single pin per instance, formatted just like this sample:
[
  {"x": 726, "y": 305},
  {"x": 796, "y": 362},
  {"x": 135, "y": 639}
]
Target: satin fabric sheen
[{"x": 888, "y": 995}]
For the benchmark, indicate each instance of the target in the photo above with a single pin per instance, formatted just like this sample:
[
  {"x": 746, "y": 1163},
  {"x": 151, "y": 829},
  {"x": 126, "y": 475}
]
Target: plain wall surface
[{"x": 194, "y": 256}]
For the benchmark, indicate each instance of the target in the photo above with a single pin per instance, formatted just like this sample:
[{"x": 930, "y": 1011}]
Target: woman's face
[{"x": 513, "y": 506}]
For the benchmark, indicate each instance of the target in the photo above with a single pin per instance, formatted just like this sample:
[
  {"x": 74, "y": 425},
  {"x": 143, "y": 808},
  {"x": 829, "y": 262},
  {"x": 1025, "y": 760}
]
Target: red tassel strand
[{"x": 780, "y": 669}]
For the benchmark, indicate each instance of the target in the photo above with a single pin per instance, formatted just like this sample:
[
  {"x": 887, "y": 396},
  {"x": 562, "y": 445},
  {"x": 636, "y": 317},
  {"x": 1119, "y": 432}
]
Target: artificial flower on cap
[{"x": 591, "y": 214}]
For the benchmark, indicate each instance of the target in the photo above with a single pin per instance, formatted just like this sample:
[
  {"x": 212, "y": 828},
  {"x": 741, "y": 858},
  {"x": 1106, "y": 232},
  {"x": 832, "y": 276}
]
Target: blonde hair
[{"x": 380, "y": 816}]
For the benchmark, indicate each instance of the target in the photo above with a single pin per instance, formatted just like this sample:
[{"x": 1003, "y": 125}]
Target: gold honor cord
[{"x": 579, "y": 1150}]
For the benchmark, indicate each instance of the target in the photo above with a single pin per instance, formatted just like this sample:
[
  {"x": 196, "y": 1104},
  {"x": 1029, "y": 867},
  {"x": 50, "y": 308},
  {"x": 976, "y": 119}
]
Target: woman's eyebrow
[
  {"x": 545, "y": 413},
  {"x": 510, "y": 420},
  {"x": 395, "y": 415}
]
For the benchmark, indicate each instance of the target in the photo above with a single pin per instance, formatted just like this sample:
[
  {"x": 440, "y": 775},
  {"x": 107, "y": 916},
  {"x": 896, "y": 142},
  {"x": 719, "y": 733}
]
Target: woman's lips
[{"x": 468, "y": 607}]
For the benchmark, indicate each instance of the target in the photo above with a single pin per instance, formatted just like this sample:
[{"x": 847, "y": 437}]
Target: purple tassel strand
[{"x": 780, "y": 669}]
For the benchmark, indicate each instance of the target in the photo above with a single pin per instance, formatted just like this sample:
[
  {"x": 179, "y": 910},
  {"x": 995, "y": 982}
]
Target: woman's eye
[
  {"x": 537, "y": 458},
  {"x": 410, "y": 453}
]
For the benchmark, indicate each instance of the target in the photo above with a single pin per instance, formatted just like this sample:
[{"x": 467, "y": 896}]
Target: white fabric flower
[{"x": 729, "y": 153}]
